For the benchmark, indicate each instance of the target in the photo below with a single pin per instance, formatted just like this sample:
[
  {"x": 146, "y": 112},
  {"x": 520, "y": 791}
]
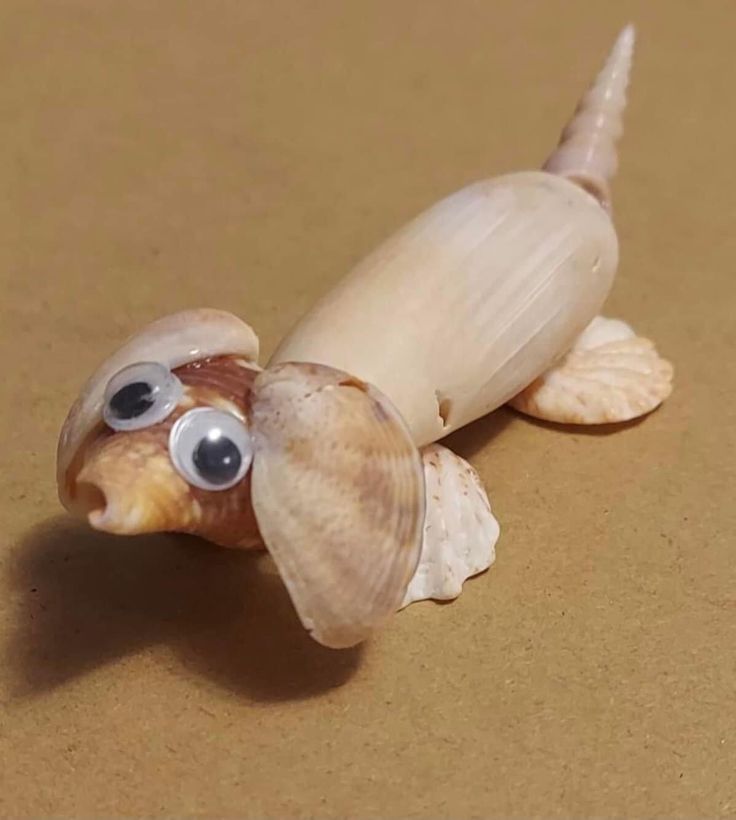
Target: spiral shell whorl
[{"x": 586, "y": 153}]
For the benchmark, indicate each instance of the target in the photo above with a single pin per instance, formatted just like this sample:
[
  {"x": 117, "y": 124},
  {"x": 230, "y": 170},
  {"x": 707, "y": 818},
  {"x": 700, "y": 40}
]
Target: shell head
[
  {"x": 181, "y": 431},
  {"x": 114, "y": 466}
]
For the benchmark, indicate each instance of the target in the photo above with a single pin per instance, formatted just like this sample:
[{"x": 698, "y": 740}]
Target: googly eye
[
  {"x": 140, "y": 395},
  {"x": 210, "y": 448}
]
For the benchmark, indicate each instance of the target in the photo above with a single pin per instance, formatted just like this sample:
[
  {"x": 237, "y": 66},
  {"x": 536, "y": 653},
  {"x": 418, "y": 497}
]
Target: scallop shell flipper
[
  {"x": 338, "y": 493},
  {"x": 460, "y": 531},
  {"x": 610, "y": 375}
]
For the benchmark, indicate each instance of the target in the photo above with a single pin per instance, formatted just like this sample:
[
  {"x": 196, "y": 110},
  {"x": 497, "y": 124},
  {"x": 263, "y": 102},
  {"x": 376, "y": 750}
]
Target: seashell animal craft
[{"x": 328, "y": 456}]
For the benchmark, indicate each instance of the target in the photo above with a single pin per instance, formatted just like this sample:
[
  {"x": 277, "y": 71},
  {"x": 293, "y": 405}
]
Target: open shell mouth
[
  {"x": 114, "y": 507},
  {"x": 92, "y": 503}
]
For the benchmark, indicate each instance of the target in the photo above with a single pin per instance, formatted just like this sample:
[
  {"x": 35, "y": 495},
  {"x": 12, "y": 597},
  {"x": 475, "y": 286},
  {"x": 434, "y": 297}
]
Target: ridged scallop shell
[
  {"x": 460, "y": 531},
  {"x": 610, "y": 375},
  {"x": 338, "y": 493}
]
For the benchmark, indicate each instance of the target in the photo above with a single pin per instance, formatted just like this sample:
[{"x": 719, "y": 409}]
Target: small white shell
[
  {"x": 460, "y": 531},
  {"x": 610, "y": 375}
]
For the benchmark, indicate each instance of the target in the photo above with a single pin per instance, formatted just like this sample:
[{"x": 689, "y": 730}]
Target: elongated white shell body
[{"x": 470, "y": 302}]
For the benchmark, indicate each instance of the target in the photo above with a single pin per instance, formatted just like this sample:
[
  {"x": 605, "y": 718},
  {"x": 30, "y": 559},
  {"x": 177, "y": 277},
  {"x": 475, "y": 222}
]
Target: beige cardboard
[{"x": 162, "y": 155}]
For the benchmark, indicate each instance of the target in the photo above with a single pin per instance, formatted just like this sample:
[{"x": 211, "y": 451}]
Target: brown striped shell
[
  {"x": 338, "y": 492},
  {"x": 127, "y": 484},
  {"x": 173, "y": 340}
]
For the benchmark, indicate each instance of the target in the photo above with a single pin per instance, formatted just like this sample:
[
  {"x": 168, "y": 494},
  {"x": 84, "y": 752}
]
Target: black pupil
[
  {"x": 132, "y": 400},
  {"x": 217, "y": 459}
]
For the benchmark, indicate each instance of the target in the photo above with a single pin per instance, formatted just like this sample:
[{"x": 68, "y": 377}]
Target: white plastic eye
[
  {"x": 140, "y": 395},
  {"x": 210, "y": 448}
]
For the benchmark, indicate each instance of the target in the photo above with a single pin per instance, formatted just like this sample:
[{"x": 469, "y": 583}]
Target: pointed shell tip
[{"x": 626, "y": 41}]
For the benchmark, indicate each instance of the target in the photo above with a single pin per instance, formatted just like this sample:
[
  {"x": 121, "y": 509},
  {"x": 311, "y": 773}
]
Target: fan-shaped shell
[
  {"x": 460, "y": 531},
  {"x": 338, "y": 493},
  {"x": 610, "y": 375},
  {"x": 173, "y": 340}
]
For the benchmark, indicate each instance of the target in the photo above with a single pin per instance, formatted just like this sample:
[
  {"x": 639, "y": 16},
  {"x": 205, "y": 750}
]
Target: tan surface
[{"x": 162, "y": 155}]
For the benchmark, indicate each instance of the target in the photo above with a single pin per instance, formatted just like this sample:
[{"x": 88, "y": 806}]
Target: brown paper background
[{"x": 160, "y": 155}]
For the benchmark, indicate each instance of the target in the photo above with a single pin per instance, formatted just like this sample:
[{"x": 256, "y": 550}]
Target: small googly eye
[
  {"x": 211, "y": 449},
  {"x": 140, "y": 395}
]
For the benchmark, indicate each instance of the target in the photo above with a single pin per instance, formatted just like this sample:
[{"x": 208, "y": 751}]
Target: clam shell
[
  {"x": 173, "y": 340},
  {"x": 338, "y": 493},
  {"x": 460, "y": 531},
  {"x": 610, "y": 375}
]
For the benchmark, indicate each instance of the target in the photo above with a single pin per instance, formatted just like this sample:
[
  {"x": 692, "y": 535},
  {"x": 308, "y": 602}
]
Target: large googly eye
[
  {"x": 140, "y": 395},
  {"x": 210, "y": 448}
]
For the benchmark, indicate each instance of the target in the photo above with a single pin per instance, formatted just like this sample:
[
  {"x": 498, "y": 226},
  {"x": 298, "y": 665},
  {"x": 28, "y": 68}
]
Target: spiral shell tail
[{"x": 586, "y": 153}]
